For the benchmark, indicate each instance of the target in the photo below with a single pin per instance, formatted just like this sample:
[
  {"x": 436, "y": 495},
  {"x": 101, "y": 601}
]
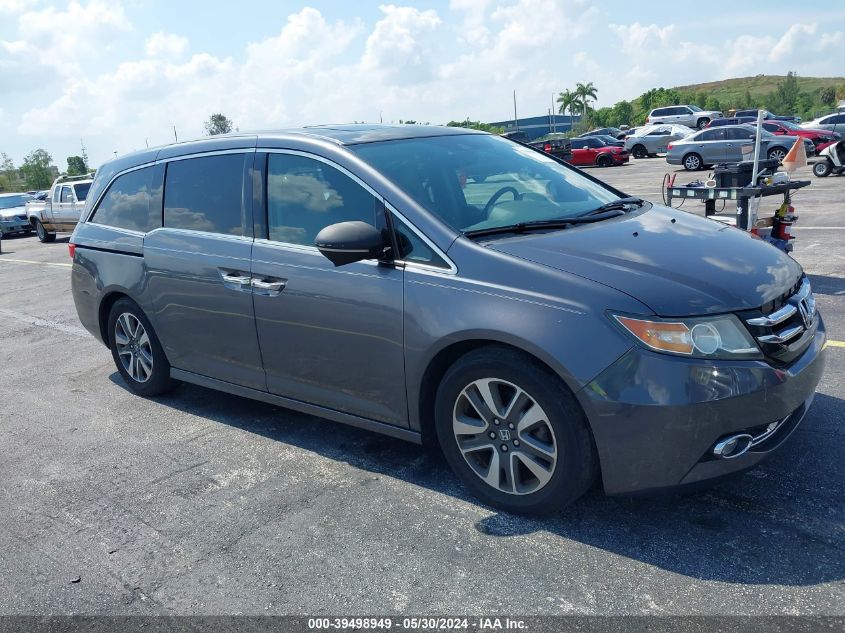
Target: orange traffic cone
[{"x": 795, "y": 157}]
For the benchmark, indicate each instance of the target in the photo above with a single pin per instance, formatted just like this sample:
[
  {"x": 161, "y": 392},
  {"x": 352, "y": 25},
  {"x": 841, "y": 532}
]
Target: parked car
[
  {"x": 13, "y": 213},
  {"x": 615, "y": 132},
  {"x": 729, "y": 144},
  {"x": 556, "y": 144},
  {"x": 591, "y": 150},
  {"x": 768, "y": 116},
  {"x": 834, "y": 122},
  {"x": 610, "y": 140},
  {"x": 733, "y": 120},
  {"x": 820, "y": 138},
  {"x": 654, "y": 139},
  {"x": 689, "y": 115},
  {"x": 349, "y": 273},
  {"x": 60, "y": 210}
]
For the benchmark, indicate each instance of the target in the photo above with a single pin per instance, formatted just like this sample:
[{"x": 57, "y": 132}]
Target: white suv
[{"x": 689, "y": 115}]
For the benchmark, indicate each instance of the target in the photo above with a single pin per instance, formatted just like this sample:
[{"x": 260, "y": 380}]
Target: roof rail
[{"x": 66, "y": 178}]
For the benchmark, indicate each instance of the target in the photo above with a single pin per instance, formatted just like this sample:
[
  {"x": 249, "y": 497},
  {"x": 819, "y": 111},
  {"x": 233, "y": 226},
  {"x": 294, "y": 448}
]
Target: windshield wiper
[
  {"x": 541, "y": 225},
  {"x": 619, "y": 203}
]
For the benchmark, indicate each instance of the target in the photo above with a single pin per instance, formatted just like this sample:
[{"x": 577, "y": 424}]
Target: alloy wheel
[
  {"x": 692, "y": 162},
  {"x": 40, "y": 231},
  {"x": 505, "y": 436},
  {"x": 133, "y": 347},
  {"x": 777, "y": 154}
]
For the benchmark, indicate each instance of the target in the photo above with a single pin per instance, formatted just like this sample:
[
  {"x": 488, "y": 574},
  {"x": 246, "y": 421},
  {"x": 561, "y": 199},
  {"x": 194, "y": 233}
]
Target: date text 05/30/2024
[{"x": 418, "y": 624}]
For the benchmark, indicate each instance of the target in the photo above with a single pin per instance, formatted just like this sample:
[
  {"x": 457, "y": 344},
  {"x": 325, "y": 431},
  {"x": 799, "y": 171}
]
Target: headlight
[{"x": 720, "y": 336}]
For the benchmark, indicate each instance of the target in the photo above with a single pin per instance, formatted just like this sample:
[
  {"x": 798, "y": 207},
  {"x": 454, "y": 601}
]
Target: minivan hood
[{"x": 677, "y": 263}]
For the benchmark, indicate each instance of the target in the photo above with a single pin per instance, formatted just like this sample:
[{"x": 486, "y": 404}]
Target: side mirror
[{"x": 348, "y": 242}]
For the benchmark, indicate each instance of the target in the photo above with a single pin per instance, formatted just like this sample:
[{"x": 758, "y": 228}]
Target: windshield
[
  {"x": 9, "y": 202},
  {"x": 477, "y": 182},
  {"x": 789, "y": 125},
  {"x": 695, "y": 108},
  {"x": 82, "y": 190}
]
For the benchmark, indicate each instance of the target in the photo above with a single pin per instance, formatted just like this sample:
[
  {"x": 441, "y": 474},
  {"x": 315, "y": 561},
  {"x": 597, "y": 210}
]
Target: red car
[
  {"x": 820, "y": 138},
  {"x": 590, "y": 150}
]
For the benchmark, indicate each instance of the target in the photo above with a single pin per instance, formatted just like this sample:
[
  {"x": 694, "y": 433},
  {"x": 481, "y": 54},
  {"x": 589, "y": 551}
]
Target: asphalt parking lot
[{"x": 205, "y": 503}]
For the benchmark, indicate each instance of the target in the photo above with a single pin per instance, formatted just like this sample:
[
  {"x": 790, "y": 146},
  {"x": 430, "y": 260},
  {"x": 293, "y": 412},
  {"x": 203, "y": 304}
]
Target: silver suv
[{"x": 689, "y": 115}]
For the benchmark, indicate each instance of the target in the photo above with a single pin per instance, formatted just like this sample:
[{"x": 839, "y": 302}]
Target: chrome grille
[{"x": 784, "y": 332}]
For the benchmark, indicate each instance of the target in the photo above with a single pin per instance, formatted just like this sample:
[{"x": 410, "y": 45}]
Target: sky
[{"x": 118, "y": 75}]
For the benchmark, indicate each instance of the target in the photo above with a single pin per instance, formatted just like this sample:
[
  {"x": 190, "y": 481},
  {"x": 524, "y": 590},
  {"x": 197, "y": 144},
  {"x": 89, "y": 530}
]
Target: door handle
[
  {"x": 267, "y": 286},
  {"x": 236, "y": 280}
]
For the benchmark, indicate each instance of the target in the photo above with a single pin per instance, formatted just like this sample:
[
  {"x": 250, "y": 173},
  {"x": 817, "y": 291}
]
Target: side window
[
  {"x": 56, "y": 193},
  {"x": 67, "y": 194},
  {"x": 126, "y": 204},
  {"x": 305, "y": 195},
  {"x": 661, "y": 131},
  {"x": 205, "y": 194},
  {"x": 412, "y": 248},
  {"x": 659, "y": 112},
  {"x": 579, "y": 144},
  {"x": 713, "y": 135},
  {"x": 771, "y": 127},
  {"x": 737, "y": 134},
  {"x": 838, "y": 120}
]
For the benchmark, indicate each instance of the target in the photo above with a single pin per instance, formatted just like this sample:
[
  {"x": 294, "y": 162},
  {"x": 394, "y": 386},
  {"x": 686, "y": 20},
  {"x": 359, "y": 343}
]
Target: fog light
[{"x": 733, "y": 446}]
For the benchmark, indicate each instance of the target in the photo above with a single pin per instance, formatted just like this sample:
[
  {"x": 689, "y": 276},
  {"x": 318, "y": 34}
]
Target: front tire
[
  {"x": 702, "y": 123},
  {"x": 44, "y": 236},
  {"x": 136, "y": 350},
  {"x": 822, "y": 169},
  {"x": 513, "y": 432},
  {"x": 693, "y": 162},
  {"x": 604, "y": 161}
]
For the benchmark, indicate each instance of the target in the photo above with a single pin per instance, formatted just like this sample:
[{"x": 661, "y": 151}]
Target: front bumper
[{"x": 656, "y": 418}]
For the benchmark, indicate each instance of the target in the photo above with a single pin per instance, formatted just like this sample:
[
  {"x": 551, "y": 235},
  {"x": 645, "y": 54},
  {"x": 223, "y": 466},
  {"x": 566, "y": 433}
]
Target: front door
[
  {"x": 330, "y": 336},
  {"x": 198, "y": 270}
]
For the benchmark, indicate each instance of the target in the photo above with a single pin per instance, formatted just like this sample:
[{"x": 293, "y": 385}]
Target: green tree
[
  {"x": 712, "y": 103},
  {"x": 218, "y": 124},
  {"x": 622, "y": 113},
  {"x": 567, "y": 101},
  {"x": 747, "y": 101},
  {"x": 585, "y": 93},
  {"x": 476, "y": 125},
  {"x": 827, "y": 96},
  {"x": 36, "y": 169},
  {"x": 784, "y": 100},
  {"x": 76, "y": 166},
  {"x": 7, "y": 172}
]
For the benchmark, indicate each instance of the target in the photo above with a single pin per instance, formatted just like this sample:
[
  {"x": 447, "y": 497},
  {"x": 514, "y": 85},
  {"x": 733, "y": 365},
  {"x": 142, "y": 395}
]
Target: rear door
[
  {"x": 330, "y": 336},
  {"x": 199, "y": 267},
  {"x": 710, "y": 144}
]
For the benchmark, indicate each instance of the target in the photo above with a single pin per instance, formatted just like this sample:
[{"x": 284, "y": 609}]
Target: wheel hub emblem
[{"x": 504, "y": 435}]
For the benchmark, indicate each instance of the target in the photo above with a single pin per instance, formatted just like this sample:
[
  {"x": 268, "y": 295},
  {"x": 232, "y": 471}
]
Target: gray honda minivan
[{"x": 447, "y": 286}]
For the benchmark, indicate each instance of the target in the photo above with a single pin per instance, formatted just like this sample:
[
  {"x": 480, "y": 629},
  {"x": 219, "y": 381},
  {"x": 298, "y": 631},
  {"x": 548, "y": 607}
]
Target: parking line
[
  {"x": 835, "y": 344},
  {"x": 29, "y": 261}
]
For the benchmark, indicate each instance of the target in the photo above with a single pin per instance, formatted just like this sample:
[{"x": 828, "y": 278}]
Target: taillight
[
  {"x": 646, "y": 119},
  {"x": 547, "y": 147},
  {"x": 669, "y": 146},
  {"x": 71, "y": 249}
]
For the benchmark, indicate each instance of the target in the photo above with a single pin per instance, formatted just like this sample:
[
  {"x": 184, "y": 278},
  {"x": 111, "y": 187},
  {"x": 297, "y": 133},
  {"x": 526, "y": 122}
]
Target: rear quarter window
[{"x": 126, "y": 203}]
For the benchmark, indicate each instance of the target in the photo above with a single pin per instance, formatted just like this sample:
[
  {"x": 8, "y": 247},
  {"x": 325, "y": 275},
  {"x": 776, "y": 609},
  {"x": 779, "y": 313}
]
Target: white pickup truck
[{"x": 60, "y": 211}]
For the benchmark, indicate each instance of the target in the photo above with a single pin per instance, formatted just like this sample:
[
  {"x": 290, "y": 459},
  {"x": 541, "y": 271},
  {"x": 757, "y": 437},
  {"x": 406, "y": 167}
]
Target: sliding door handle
[{"x": 238, "y": 280}]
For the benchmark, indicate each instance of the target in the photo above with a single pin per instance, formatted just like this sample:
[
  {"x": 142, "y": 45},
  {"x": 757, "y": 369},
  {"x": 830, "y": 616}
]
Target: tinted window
[
  {"x": 478, "y": 181},
  {"x": 712, "y": 135},
  {"x": 305, "y": 195},
  {"x": 738, "y": 134},
  {"x": 837, "y": 119},
  {"x": 82, "y": 190},
  {"x": 771, "y": 127},
  {"x": 126, "y": 204},
  {"x": 10, "y": 202},
  {"x": 661, "y": 131},
  {"x": 412, "y": 248},
  {"x": 67, "y": 195},
  {"x": 660, "y": 112},
  {"x": 205, "y": 194},
  {"x": 580, "y": 143}
]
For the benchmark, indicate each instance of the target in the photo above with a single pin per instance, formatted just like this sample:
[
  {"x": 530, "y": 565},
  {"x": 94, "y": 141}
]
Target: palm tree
[
  {"x": 567, "y": 101},
  {"x": 585, "y": 92}
]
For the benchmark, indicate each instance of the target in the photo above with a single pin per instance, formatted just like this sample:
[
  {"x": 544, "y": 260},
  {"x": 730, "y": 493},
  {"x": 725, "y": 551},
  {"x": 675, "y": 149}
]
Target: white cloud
[
  {"x": 15, "y": 6},
  {"x": 165, "y": 45},
  {"x": 402, "y": 43}
]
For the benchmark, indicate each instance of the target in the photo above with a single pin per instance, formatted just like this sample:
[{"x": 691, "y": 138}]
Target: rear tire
[
  {"x": 702, "y": 123},
  {"x": 43, "y": 234},
  {"x": 822, "y": 169},
  {"x": 541, "y": 457},
  {"x": 639, "y": 151},
  {"x": 693, "y": 162},
  {"x": 777, "y": 153},
  {"x": 136, "y": 350}
]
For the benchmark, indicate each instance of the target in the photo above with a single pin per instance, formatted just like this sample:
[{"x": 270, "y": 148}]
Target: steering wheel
[{"x": 492, "y": 201}]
